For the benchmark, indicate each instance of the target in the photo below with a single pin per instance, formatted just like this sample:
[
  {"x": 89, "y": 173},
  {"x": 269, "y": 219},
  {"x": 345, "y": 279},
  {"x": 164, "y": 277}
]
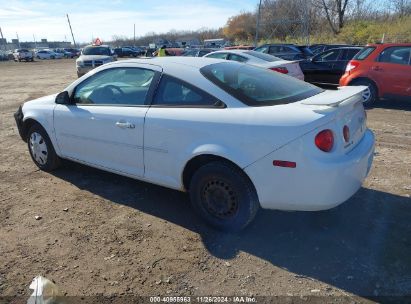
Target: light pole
[{"x": 258, "y": 24}]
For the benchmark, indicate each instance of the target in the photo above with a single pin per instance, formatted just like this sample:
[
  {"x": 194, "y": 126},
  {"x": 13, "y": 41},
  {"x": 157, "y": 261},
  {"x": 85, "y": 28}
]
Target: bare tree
[
  {"x": 335, "y": 13},
  {"x": 402, "y": 7}
]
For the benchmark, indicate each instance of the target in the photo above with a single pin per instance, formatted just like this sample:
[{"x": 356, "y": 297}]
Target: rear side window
[
  {"x": 349, "y": 54},
  {"x": 175, "y": 92},
  {"x": 238, "y": 58},
  {"x": 257, "y": 86},
  {"x": 262, "y": 49},
  {"x": 397, "y": 55},
  {"x": 218, "y": 55},
  {"x": 364, "y": 53}
]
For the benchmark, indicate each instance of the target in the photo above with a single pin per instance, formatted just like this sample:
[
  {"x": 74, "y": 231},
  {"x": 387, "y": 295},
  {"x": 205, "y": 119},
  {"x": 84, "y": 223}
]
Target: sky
[{"x": 103, "y": 19}]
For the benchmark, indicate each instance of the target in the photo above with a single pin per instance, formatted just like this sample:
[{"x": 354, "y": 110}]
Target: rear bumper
[{"x": 315, "y": 184}]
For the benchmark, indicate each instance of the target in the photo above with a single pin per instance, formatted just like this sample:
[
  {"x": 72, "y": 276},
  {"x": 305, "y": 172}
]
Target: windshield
[
  {"x": 256, "y": 86},
  {"x": 96, "y": 50},
  {"x": 263, "y": 56}
]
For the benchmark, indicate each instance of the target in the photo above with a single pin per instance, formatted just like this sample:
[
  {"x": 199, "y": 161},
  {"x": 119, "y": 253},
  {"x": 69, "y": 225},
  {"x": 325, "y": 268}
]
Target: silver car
[{"x": 93, "y": 56}]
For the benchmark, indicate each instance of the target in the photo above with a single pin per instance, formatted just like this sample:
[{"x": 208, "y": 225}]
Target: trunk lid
[{"x": 348, "y": 110}]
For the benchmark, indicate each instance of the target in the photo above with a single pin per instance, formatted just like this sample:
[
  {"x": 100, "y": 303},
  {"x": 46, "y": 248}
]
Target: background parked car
[
  {"x": 239, "y": 47},
  {"x": 48, "y": 54},
  {"x": 266, "y": 61},
  {"x": 3, "y": 56},
  {"x": 74, "y": 52},
  {"x": 66, "y": 54},
  {"x": 93, "y": 56},
  {"x": 127, "y": 52},
  {"x": 384, "y": 68},
  {"x": 285, "y": 51},
  {"x": 319, "y": 48},
  {"x": 326, "y": 69},
  {"x": 200, "y": 52},
  {"x": 23, "y": 54}
]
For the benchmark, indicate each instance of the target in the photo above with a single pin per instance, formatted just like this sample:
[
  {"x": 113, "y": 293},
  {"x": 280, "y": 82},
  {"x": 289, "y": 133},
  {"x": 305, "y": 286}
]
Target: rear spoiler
[{"x": 340, "y": 97}]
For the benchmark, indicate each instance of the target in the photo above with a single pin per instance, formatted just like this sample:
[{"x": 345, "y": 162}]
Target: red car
[{"x": 384, "y": 68}]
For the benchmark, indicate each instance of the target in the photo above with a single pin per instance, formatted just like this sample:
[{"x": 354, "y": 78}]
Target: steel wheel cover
[{"x": 38, "y": 148}]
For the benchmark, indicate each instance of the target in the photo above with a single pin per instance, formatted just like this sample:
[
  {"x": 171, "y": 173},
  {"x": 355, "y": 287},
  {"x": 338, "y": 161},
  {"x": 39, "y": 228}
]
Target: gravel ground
[{"x": 102, "y": 234}]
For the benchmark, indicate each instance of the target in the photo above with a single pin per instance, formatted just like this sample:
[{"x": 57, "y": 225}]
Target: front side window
[
  {"x": 117, "y": 86},
  {"x": 397, "y": 55},
  {"x": 175, "y": 92},
  {"x": 256, "y": 86}
]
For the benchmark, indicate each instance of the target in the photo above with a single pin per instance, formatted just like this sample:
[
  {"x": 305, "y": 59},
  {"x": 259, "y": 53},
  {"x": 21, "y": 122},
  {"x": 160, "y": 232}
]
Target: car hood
[{"x": 94, "y": 57}]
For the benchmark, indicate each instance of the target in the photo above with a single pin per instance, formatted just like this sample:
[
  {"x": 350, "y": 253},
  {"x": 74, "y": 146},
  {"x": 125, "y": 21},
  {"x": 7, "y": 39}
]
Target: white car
[
  {"x": 291, "y": 68},
  {"x": 23, "y": 54},
  {"x": 48, "y": 54},
  {"x": 235, "y": 136}
]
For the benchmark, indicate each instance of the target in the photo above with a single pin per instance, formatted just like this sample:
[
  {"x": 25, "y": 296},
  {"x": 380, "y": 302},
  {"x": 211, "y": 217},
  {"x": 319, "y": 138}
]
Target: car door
[
  {"x": 320, "y": 69},
  {"x": 104, "y": 125},
  {"x": 392, "y": 70},
  {"x": 174, "y": 122}
]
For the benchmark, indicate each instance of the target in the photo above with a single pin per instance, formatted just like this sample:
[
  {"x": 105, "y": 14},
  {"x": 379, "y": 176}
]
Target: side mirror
[{"x": 63, "y": 98}]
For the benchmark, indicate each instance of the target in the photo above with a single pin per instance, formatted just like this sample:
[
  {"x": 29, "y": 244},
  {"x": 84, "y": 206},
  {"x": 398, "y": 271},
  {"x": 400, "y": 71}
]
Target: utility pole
[
  {"x": 17, "y": 35},
  {"x": 134, "y": 35},
  {"x": 35, "y": 43},
  {"x": 5, "y": 44},
  {"x": 72, "y": 35},
  {"x": 257, "y": 25}
]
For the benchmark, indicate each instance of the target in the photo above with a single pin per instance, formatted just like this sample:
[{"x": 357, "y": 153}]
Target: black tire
[
  {"x": 237, "y": 203},
  {"x": 370, "y": 97},
  {"x": 50, "y": 160}
]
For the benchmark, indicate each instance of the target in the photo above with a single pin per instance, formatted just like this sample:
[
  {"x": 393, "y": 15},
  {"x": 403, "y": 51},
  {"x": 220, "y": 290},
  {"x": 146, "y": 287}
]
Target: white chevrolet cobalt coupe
[{"x": 235, "y": 136}]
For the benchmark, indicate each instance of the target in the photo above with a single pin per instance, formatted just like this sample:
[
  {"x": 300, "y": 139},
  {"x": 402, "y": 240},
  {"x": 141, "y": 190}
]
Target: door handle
[
  {"x": 125, "y": 125},
  {"x": 376, "y": 68}
]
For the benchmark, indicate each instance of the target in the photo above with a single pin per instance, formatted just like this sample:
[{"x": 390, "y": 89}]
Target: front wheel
[
  {"x": 41, "y": 149},
  {"x": 370, "y": 95},
  {"x": 224, "y": 196}
]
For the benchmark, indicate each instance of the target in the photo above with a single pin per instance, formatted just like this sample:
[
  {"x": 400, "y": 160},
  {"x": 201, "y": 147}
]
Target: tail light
[
  {"x": 346, "y": 133},
  {"x": 325, "y": 140},
  {"x": 351, "y": 66},
  {"x": 281, "y": 70}
]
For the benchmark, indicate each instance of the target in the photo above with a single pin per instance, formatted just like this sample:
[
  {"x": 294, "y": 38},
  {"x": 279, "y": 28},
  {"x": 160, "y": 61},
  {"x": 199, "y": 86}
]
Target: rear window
[
  {"x": 256, "y": 86},
  {"x": 266, "y": 57},
  {"x": 364, "y": 53}
]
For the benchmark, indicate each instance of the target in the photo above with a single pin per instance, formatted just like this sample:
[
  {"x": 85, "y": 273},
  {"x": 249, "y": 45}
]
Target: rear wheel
[
  {"x": 224, "y": 196},
  {"x": 41, "y": 149},
  {"x": 370, "y": 95}
]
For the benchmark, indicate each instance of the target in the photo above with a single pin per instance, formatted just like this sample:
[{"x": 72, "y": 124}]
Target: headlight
[{"x": 79, "y": 63}]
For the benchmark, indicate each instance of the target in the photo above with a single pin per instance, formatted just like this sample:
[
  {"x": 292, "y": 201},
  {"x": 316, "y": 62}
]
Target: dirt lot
[{"x": 121, "y": 236}]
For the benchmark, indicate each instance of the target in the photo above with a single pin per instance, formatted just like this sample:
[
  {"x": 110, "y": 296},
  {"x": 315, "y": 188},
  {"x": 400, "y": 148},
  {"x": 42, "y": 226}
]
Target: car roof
[
  {"x": 193, "y": 62},
  {"x": 388, "y": 44}
]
